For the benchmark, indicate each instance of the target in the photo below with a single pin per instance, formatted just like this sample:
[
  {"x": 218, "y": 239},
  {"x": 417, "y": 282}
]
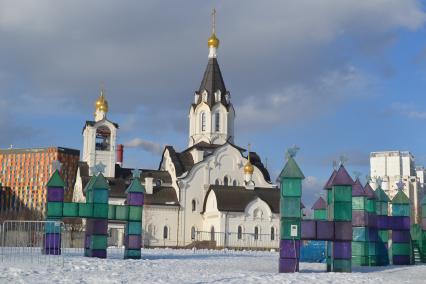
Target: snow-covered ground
[{"x": 186, "y": 266}]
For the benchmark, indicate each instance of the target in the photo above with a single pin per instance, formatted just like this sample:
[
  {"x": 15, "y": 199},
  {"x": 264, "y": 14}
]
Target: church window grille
[
  {"x": 165, "y": 232},
  {"x": 217, "y": 122},
  {"x": 272, "y": 234},
  {"x": 194, "y": 205},
  {"x": 240, "y": 232},
  {"x": 193, "y": 233},
  {"x": 203, "y": 121},
  {"x": 212, "y": 233},
  {"x": 256, "y": 233}
]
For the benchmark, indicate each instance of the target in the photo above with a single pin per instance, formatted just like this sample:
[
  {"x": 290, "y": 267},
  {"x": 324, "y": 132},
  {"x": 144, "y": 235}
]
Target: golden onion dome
[
  {"x": 213, "y": 41},
  {"x": 248, "y": 168},
  {"x": 102, "y": 104}
]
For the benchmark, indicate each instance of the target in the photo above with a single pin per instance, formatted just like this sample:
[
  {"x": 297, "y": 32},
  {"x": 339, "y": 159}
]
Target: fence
[
  {"x": 233, "y": 240},
  {"x": 24, "y": 242}
]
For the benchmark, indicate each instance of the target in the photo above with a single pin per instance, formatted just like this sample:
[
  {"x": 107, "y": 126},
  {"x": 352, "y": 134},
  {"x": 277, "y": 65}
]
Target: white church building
[{"x": 214, "y": 193}]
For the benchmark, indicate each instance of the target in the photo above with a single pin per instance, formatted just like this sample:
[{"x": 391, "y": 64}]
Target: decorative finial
[
  {"x": 342, "y": 160},
  {"x": 291, "y": 152},
  {"x": 335, "y": 165},
  {"x": 56, "y": 165},
  {"x": 357, "y": 174},
  {"x": 248, "y": 156},
  {"x": 213, "y": 21},
  {"x": 368, "y": 178},
  {"x": 136, "y": 173},
  {"x": 213, "y": 41},
  {"x": 400, "y": 184},
  {"x": 98, "y": 168},
  {"x": 248, "y": 168}
]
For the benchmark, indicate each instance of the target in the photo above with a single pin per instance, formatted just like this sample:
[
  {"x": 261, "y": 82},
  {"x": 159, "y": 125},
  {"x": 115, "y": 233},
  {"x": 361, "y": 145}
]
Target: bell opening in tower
[{"x": 103, "y": 139}]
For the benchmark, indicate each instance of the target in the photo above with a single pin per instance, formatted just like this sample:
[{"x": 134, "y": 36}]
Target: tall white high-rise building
[{"x": 395, "y": 166}]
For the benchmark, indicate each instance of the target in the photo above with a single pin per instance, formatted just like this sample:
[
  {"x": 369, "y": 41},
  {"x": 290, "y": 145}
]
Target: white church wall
[{"x": 155, "y": 218}]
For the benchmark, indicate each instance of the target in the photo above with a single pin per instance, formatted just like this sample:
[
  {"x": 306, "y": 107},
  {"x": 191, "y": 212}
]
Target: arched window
[
  {"x": 225, "y": 181},
  {"x": 194, "y": 205},
  {"x": 158, "y": 182},
  {"x": 203, "y": 122},
  {"x": 272, "y": 234},
  {"x": 193, "y": 233},
  {"x": 217, "y": 182},
  {"x": 165, "y": 232},
  {"x": 256, "y": 233},
  {"x": 212, "y": 233},
  {"x": 240, "y": 232},
  {"x": 103, "y": 138},
  {"x": 234, "y": 183},
  {"x": 217, "y": 122}
]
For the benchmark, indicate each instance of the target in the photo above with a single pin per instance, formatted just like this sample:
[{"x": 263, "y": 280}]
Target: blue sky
[{"x": 333, "y": 77}]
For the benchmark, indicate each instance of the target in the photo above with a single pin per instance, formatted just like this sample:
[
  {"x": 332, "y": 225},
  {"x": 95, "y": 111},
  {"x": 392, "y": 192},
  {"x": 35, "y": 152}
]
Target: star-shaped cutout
[
  {"x": 56, "y": 165},
  {"x": 136, "y": 173},
  {"x": 98, "y": 168}
]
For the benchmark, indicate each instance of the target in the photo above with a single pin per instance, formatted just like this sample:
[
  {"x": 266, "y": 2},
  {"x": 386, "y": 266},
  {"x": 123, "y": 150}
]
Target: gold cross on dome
[{"x": 214, "y": 20}]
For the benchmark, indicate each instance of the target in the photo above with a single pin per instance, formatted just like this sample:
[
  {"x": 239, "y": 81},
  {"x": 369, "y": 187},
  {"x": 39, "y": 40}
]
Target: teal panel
[
  {"x": 400, "y": 249},
  {"x": 53, "y": 227},
  {"x": 290, "y": 207},
  {"x": 111, "y": 212},
  {"x": 98, "y": 242},
  {"x": 286, "y": 228},
  {"x": 400, "y": 209},
  {"x": 371, "y": 205},
  {"x": 342, "y": 265},
  {"x": 70, "y": 209},
  {"x": 122, "y": 213},
  {"x": 54, "y": 209},
  {"x": 291, "y": 187},
  {"x": 342, "y": 211},
  {"x": 342, "y": 193},
  {"x": 359, "y": 203},
  {"x": 85, "y": 210},
  {"x": 135, "y": 213},
  {"x": 360, "y": 248},
  {"x": 100, "y": 196},
  {"x": 359, "y": 234},
  {"x": 132, "y": 253},
  {"x": 320, "y": 214},
  {"x": 133, "y": 228},
  {"x": 383, "y": 235},
  {"x": 100, "y": 210}
]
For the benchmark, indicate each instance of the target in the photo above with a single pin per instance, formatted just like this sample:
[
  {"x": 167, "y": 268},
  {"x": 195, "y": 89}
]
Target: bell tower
[
  {"x": 99, "y": 140},
  {"x": 211, "y": 115}
]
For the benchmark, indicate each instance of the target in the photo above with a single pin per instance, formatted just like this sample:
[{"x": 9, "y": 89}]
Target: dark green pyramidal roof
[
  {"x": 381, "y": 195},
  {"x": 55, "y": 180},
  {"x": 98, "y": 181},
  {"x": 400, "y": 198},
  {"x": 291, "y": 170},
  {"x": 136, "y": 186}
]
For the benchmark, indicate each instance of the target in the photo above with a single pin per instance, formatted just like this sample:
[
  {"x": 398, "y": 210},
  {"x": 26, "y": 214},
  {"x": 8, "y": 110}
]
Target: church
[{"x": 212, "y": 192}]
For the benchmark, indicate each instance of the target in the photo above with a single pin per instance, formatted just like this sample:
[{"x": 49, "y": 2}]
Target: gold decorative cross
[{"x": 214, "y": 20}]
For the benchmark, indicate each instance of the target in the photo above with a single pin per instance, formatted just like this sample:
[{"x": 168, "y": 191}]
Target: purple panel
[
  {"x": 373, "y": 235},
  {"x": 382, "y": 222},
  {"x": 308, "y": 230},
  {"x": 401, "y": 260},
  {"x": 401, "y": 236},
  {"x": 288, "y": 265},
  {"x": 399, "y": 223},
  {"x": 89, "y": 226},
  {"x": 359, "y": 218},
  {"x": 52, "y": 251},
  {"x": 52, "y": 241},
  {"x": 100, "y": 253},
  {"x": 424, "y": 223},
  {"x": 372, "y": 220},
  {"x": 287, "y": 249},
  {"x": 55, "y": 194},
  {"x": 319, "y": 204},
  {"x": 342, "y": 250},
  {"x": 357, "y": 189},
  {"x": 133, "y": 241},
  {"x": 87, "y": 241},
  {"x": 135, "y": 198},
  {"x": 342, "y": 177},
  {"x": 100, "y": 226},
  {"x": 343, "y": 231},
  {"x": 325, "y": 230}
]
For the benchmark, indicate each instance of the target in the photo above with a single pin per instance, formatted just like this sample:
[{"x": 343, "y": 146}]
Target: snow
[{"x": 202, "y": 266}]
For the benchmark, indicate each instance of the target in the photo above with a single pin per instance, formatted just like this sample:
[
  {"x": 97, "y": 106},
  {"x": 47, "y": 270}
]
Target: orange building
[{"x": 26, "y": 172}]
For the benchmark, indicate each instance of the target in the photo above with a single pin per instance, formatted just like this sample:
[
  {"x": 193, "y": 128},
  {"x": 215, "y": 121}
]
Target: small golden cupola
[
  {"x": 248, "y": 168},
  {"x": 102, "y": 104},
  {"x": 213, "y": 41}
]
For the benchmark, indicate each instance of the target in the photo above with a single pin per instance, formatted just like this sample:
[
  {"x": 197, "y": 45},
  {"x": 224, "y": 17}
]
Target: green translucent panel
[
  {"x": 359, "y": 234},
  {"x": 70, "y": 209},
  {"x": 320, "y": 214},
  {"x": 132, "y": 253},
  {"x": 100, "y": 210},
  {"x": 400, "y": 249},
  {"x": 133, "y": 228},
  {"x": 382, "y": 208},
  {"x": 291, "y": 187},
  {"x": 360, "y": 248},
  {"x": 89, "y": 196},
  {"x": 286, "y": 228},
  {"x": 98, "y": 241},
  {"x": 290, "y": 207},
  {"x": 400, "y": 210},
  {"x": 122, "y": 213},
  {"x": 342, "y": 265},
  {"x": 424, "y": 210},
  {"x": 359, "y": 203},
  {"x": 53, "y": 227},
  {"x": 111, "y": 212},
  {"x": 370, "y": 205},
  {"x": 371, "y": 249},
  {"x": 342, "y": 211},
  {"x": 100, "y": 196},
  {"x": 135, "y": 213},
  {"x": 342, "y": 193},
  {"x": 329, "y": 197},
  {"x": 359, "y": 260},
  {"x": 54, "y": 209},
  {"x": 85, "y": 210}
]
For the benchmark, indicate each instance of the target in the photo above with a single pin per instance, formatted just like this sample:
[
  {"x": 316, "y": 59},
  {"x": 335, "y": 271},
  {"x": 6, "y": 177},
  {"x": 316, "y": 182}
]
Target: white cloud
[
  {"x": 409, "y": 110},
  {"x": 146, "y": 145}
]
